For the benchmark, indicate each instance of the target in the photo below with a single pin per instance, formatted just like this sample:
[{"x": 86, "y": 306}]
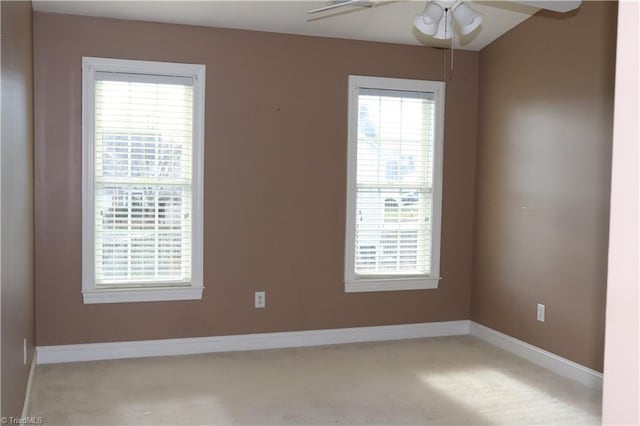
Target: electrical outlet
[
  {"x": 260, "y": 299},
  {"x": 541, "y": 312},
  {"x": 24, "y": 351}
]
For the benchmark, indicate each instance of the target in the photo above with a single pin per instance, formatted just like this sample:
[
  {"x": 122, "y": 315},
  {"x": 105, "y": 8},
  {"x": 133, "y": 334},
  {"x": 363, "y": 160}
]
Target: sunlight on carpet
[{"x": 513, "y": 401}]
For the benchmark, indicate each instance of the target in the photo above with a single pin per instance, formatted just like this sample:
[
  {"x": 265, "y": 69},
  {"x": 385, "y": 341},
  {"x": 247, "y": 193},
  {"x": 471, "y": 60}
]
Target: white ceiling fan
[{"x": 437, "y": 19}]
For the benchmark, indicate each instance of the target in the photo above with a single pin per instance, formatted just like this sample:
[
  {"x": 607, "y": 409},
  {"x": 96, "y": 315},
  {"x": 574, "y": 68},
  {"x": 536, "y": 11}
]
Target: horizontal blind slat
[{"x": 129, "y": 78}]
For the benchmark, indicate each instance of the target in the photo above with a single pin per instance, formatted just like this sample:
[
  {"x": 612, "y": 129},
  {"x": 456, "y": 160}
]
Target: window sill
[
  {"x": 142, "y": 295},
  {"x": 390, "y": 284}
]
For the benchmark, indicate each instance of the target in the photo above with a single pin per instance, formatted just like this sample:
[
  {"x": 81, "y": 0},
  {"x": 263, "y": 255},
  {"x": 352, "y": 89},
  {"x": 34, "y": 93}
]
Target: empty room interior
[{"x": 311, "y": 213}]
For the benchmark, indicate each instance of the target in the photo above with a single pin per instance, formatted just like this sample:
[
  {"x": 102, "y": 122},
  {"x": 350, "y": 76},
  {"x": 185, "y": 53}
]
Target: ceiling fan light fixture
[
  {"x": 445, "y": 27},
  {"x": 467, "y": 18},
  {"x": 427, "y": 22}
]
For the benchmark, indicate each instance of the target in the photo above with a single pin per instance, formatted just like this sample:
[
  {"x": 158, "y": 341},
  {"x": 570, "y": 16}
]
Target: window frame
[
  {"x": 366, "y": 283},
  {"x": 196, "y": 72}
]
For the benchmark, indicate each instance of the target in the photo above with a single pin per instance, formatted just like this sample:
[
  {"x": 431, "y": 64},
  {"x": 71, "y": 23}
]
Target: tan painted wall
[
  {"x": 17, "y": 202},
  {"x": 275, "y": 178},
  {"x": 544, "y": 153}
]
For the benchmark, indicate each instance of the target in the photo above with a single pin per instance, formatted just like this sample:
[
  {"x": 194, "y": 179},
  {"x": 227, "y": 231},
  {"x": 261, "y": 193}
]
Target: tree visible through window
[{"x": 141, "y": 228}]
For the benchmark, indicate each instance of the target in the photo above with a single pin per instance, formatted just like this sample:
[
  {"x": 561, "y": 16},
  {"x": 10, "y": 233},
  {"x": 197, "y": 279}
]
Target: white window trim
[
  {"x": 193, "y": 291},
  {"x": 358, "y": 283}
]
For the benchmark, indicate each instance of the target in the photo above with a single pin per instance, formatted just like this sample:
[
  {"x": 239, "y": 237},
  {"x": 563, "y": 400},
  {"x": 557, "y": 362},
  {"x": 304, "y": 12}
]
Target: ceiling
[{"x": 388, "y": 21}]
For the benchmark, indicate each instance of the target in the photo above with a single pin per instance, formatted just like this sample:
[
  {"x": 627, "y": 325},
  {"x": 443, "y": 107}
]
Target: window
[
  {"x": 142, "y": 142},
  {"x": 394, "y": 184}
]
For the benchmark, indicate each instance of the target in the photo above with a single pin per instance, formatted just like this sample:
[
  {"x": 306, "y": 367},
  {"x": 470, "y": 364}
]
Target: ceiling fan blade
[
  {"x": 561, "y": 6},
  {"x": 342, "y": 3}
]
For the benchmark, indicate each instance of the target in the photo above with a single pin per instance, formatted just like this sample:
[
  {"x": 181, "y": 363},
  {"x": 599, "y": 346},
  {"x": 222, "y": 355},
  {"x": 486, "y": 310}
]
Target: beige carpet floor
[{"x": 444, "y": 381}]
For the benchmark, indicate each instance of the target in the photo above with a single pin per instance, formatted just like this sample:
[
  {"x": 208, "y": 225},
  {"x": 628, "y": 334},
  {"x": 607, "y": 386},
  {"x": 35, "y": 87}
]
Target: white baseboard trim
[
  {"x": 27, "y": 396},
  {"x": 292, "y": 339},
  {"x": 246, "y": 342},
  {"x": 536, "y": 355}
]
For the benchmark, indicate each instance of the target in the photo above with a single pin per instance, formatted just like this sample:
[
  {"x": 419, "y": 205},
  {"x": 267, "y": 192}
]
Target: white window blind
[
  {"x": 143, "y": 182},
  {"x": 394, "y": 183}
]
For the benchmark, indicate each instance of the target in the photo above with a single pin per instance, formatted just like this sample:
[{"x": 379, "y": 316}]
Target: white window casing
[
  {"x": 394, "y": 184},
  {"x": 142, "y": 186}
]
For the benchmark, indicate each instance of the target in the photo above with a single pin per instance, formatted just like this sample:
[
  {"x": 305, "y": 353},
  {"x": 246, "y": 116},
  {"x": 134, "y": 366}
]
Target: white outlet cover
[
  {"x": 260, "y": 299},
  {"x": 541, "y": 313},
  {"x": 24, "y": 351}
]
